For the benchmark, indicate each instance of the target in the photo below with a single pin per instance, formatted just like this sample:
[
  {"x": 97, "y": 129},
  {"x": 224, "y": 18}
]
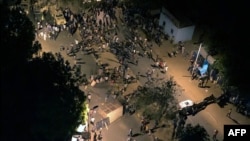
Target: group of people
[
  {"x": 48, "y": 31},
  {"x": 98, "y": 28}
]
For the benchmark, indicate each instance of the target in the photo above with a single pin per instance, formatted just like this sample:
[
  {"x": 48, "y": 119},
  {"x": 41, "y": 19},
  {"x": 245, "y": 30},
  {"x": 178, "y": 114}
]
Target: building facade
[{"x": 178, "y": 29}]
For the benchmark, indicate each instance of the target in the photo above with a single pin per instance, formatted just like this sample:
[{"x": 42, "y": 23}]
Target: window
[
  {"x": 172, "y": 31},
  {"x": 163, "y": 23}
]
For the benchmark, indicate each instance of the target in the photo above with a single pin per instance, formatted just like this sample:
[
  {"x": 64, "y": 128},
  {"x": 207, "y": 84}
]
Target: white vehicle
[
  {"x": 186, "y": 107},
  {"x": 185, "y": 104}
]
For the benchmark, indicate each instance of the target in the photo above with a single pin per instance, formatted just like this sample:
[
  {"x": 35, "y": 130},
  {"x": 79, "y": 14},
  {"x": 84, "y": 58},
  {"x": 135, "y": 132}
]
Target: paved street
[{"x": 213, "y": 117}]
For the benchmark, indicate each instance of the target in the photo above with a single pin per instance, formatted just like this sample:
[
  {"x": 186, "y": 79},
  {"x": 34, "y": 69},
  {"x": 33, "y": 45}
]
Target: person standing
[
  {"x": 99, "y": 137},
  {"x": 95, "y": 136},
  {"x": 149, "y": 132},
  {"x": 129, "y": 139},
  {"x": 156, "y": 139},
  {"x": 92, "y": 120},
  {"x": 182, "y": 50},
  {"x": 136, "y": 62},
  {"x": 157, "y": 58},
  {"x": 229, "y": 112},
  {"x": 138, "y": 76},
  {"x": 141, "y": 128},
  {"x": 130, "y": 133},
  {"x": 106, "y": 97},
  {"x": 127, "y": 78},
  {"x": 89, "y": 97},
  {"x": 215, "y": 134},
  {"x": 156, "y": 124}
]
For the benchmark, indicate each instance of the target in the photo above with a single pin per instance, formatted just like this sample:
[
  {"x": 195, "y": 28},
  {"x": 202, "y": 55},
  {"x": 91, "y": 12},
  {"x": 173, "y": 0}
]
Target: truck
[{"x": 57, "y": 14}]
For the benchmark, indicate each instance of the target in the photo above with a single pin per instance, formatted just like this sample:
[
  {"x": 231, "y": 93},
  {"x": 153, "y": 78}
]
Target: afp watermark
[{"x": 241, "y": 132}]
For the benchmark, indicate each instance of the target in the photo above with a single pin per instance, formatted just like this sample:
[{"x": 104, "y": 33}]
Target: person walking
[{"x": 229, "y": 112}]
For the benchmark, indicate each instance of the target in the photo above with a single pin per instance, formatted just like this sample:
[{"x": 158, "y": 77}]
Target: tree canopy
[
  {"x": 193, "y": 133},
  {"x": 40, "y": 96},
  {"x": 155, "y": 100}
]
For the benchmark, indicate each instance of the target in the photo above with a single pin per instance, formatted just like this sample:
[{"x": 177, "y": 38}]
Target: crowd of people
[{"x": 99, "y": 29}]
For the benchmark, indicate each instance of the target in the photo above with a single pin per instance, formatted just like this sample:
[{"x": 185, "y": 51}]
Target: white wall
[
  {"x": 184, "y": 34},
  {"x": 168, "y": 25},
  {"x": 180, "y": 34}
]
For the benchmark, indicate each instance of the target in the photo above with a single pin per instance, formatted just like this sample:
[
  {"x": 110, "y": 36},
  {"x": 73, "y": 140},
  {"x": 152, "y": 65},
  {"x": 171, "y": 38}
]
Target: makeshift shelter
[{"x": 207, "y": 60}]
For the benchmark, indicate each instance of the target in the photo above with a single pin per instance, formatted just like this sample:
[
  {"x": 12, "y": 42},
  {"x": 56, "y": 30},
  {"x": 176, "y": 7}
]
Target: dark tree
[
  {"x": 40, "y": 96},
  {"x": 17, "y": 34},
  {"x": 193, "y": 133},
  {"x": 156, "y": 100}
]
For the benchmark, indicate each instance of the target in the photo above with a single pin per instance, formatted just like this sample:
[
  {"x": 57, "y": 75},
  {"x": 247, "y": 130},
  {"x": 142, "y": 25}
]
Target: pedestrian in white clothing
[
  {"x": 44, "y": 36},
  {"x": 89, "y": 97},
  {"x": 182, "y": 49},
  {"x": 116, "y": 40},
  {"x": 76, "y": 41}
]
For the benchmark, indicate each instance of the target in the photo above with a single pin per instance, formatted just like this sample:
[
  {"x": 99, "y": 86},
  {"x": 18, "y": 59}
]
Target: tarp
[{"x": 204, "y": 68}]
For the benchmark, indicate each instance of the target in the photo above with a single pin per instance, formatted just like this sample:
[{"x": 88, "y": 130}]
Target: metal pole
[{"x": 196, "y": 58}]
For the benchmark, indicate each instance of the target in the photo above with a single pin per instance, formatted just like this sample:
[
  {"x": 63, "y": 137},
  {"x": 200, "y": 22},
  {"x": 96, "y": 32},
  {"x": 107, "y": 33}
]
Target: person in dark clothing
[
  {"x": 229, "y": 113},
  {"x": 95, "y": 136},
  {"x": 130, "y": 132},
  {"x": 215, "y": 134}
]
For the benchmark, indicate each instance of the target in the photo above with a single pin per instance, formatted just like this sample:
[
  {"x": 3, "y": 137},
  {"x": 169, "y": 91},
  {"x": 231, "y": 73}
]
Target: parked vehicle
[
  {"x": 185, "y": 107},
  {"x": 185, "y": 104},
  {"x": 57, "y": 14},
  {"x": 25, "y": 4}
]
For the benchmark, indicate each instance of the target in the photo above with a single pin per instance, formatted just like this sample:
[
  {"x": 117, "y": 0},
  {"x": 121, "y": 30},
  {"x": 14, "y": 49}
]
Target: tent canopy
[{"x": 204, "y": 68}]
